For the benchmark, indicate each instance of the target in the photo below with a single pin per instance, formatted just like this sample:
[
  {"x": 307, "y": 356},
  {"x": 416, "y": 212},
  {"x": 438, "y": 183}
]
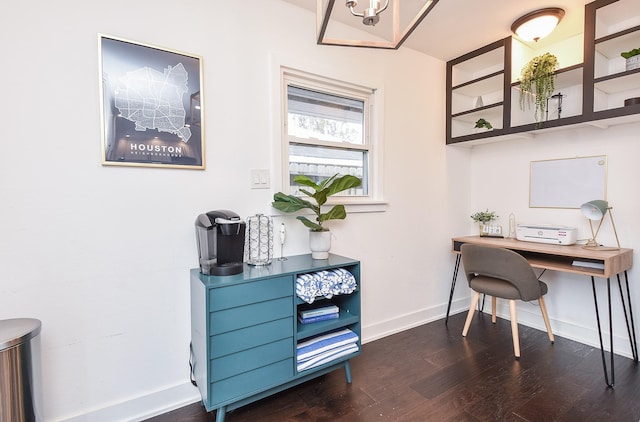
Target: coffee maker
[{"x": 220, "y": 238}]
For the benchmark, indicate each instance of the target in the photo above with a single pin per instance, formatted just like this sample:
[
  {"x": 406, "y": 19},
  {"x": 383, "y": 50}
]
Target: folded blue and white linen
[
  {"x": 325, "y": 284},
  {"x": 325, "y": 348}
]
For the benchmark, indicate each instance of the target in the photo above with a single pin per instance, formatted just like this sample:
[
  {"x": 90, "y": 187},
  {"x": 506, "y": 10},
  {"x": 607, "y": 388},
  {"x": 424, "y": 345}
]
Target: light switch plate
[{"x": 260, "y": 179}]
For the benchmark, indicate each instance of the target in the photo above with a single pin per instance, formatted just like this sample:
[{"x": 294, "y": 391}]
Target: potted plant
[
  {"x": 537, "y": 83},
  {"x": 482, "y": 123},
  {"x": 319, "y": 235},
  {"x": 483, "y": 217},
  {"x": 633, "y": 58}
]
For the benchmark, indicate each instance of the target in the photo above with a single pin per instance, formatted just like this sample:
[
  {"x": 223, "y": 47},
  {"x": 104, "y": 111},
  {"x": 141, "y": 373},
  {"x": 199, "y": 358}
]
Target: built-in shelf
[{"x": 591, "y": 93}]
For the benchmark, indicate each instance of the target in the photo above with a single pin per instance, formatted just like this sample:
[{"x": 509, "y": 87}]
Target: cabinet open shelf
[
  {"x": 592, "y": 92},
  {"x": 480, "y": 86},
  {"x": 619, "y": 82},
  {"x": 315, "y": 328},
  {"x": 474, "y": 114},
  {"x": 610, "y": 46},
  {"x": 565, "y": 77}
]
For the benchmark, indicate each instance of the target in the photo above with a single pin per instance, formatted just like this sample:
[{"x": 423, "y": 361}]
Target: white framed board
[{"x": 567, "y": 182}]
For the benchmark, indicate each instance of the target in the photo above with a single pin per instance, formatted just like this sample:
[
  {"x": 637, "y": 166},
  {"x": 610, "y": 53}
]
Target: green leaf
[
  {"x": 338, "y": 212},
  {"x": 305, "y": 181},
  {"x": 309, "y": 223},
  {"x": 343, "y": 183},
  {"x": 290, "y": 203},
  {"x": 630, "y": 53},
  {"x": 327, "y": 181}
]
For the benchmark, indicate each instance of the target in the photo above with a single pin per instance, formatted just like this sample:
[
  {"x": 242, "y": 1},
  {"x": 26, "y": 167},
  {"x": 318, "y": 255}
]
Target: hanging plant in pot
[
  {"x": 319, "y": 235},
  {"x": 537, "y": 83}
]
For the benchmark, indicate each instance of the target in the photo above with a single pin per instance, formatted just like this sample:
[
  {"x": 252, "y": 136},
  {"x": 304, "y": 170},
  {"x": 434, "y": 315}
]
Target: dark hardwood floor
[{"x": 432, "y": 373}]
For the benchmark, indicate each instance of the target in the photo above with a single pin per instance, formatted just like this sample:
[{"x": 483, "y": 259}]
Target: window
[{"x": 327, "y": 130}]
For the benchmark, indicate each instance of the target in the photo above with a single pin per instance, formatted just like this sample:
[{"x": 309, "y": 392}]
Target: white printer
[{"x": 557, "y": 235}]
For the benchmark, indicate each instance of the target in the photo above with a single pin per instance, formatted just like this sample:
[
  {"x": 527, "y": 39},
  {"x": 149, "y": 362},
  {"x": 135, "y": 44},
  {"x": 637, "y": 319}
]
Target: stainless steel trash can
[{"x": 20, "y": 390}]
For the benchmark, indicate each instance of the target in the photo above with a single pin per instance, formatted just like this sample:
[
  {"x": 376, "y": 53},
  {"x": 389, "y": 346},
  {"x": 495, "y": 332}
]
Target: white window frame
[{"x": 371, "y": 137}]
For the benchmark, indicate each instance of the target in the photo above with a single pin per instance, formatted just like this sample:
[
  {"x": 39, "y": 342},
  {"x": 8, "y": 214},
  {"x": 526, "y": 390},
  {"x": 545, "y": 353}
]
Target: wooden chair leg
[
  {"x": 545, "y": 316},
  {"x": 472, "y": 310},
  {"x": 514, "y": 328},
  {"x": 493, "y": 309}
]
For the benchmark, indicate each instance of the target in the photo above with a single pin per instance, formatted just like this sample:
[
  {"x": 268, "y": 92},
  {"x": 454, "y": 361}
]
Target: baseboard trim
[
  {"x": 411, "y": 320},
  {"x": 571, "y": 331},
  {"x": 143, "y": 407},
  {"x": 175, "y": 397}
]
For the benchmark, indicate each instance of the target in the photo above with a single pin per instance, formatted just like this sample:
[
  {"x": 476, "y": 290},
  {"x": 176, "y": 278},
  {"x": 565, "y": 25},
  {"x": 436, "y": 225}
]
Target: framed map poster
[{"x": 151, "y": 106}]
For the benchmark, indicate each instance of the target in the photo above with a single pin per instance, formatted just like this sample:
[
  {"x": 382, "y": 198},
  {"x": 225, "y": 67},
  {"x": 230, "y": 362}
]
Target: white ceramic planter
[
  {"x": 633, "y": 62},
  {"x": 320, "y": 244}
]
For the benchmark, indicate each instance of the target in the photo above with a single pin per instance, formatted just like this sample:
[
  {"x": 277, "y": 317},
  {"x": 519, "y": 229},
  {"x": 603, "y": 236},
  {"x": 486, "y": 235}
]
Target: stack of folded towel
[
  {"x": 325, "y": 348},
  {"x": 325, "y": 283}
]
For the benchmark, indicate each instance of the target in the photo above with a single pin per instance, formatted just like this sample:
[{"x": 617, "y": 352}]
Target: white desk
[{"x": 560, "y": 258}]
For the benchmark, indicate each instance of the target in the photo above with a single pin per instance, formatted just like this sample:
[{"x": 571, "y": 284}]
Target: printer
[{"x": 557, "y": 235}]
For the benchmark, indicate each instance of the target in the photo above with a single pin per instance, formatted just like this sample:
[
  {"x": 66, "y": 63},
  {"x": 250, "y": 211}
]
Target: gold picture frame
[{"x": 151, "y": 106}]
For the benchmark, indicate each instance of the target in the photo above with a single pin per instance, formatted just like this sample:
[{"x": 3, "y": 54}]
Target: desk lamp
[{"x": 595, "y": 211}]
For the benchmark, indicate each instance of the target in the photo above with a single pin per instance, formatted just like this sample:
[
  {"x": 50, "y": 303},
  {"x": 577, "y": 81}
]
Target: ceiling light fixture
[
  {"x": 537, "y": 24},
  {"x": 370, "y": 14},
  {"x": 333, "y": 26}
]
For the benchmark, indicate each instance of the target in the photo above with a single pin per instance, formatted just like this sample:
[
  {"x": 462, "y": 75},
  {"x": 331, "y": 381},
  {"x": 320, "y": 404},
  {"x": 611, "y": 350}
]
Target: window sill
[{"x": 365, "y": 206}]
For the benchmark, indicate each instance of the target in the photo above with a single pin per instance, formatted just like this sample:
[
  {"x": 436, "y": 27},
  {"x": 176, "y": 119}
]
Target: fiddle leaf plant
[
  {"x": 319, "y": 193},
  {"x": 537, "y": 83}
]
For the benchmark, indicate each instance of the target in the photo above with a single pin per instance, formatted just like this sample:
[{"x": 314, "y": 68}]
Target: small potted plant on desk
[
  {"x": 483, "y": 218},
  {"x": 319, "y": 235}
]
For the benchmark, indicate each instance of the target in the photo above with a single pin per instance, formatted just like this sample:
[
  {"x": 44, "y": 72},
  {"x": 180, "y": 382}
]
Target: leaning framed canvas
[{"x": 151, "y": 106}]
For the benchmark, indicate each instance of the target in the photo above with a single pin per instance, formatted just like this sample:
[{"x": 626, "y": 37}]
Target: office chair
[{"x": 502, "y": 273}]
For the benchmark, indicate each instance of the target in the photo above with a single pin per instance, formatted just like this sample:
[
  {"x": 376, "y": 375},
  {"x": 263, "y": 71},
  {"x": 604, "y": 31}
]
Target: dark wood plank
[{"x": 432, "y": 373}]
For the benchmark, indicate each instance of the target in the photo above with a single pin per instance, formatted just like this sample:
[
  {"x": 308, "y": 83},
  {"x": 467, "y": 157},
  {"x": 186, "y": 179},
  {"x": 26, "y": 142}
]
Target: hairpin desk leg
[
  {"x": 631, "y": 329},
  {"x": 604, "y": 363},
  {"x": 453, "y": 286}
]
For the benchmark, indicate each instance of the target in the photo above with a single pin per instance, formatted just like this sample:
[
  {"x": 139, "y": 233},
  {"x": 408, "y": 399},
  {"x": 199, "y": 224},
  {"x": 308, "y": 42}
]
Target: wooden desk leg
[
  {"x": 456, "y": 267},
  {"x": 604, "y": 362},
  {"x": 631, "y": 329}
]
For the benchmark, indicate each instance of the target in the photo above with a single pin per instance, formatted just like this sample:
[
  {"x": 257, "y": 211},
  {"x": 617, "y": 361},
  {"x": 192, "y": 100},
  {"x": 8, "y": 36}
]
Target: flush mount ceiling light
[
  {"x": 537, "y": 24},
  {"x": 335, "y": 26}
]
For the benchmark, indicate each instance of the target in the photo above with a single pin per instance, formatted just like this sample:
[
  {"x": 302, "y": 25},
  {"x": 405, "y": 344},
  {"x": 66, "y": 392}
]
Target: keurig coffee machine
[{"x": 220, "y": 238}]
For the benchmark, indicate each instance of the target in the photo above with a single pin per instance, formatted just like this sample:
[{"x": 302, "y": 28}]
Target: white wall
[
  {"x": 500, "y": 182},
  {"x": 101, "y": 254}
]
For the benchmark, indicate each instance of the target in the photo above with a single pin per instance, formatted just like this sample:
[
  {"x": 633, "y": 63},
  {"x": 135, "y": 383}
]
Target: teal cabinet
[{"x": 244, "y": 330}]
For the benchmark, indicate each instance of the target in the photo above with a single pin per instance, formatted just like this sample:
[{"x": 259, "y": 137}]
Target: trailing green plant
[
  {"x": 537, "y": 83},
  {"x": 483, "y": 123},
  {"x": 484, "y": 216},
  {"x": 630, "y": 53},
  {"x": 320, "y": 192}
]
